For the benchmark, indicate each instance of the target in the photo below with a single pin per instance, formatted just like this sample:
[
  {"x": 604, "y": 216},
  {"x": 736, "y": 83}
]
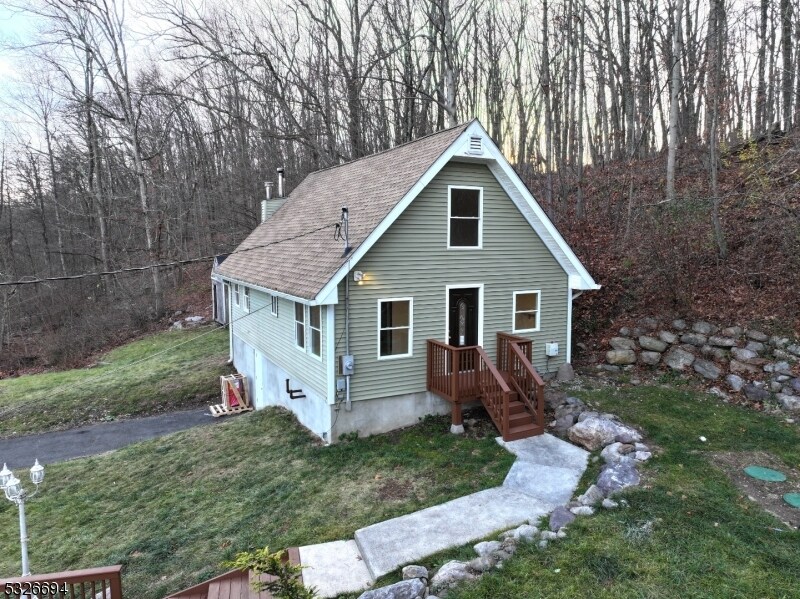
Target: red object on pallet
[{"x": 232, "y": 401}]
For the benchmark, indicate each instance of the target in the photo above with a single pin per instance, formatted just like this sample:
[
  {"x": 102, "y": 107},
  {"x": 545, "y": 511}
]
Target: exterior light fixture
[
  {"x": 15, "y": 493},
  {"x": 358, "y": 276}
]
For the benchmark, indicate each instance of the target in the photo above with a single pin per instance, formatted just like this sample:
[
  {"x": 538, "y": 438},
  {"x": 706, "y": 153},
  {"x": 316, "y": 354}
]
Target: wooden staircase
[{"x": 521, "y": 423}]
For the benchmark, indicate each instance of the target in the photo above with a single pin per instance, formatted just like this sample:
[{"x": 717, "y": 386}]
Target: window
[
  {"x": 236, "y": 294},
  {"x": 526, "y": 311},
  {"x": 299, "y": 325},
  {"x": 246, "y": 299},
  {"x": 273, "y": 308},
  {"x": 315, "y": 330},
  {"x": 465, "y": 206},
  {"x": 394, "y": 327}
]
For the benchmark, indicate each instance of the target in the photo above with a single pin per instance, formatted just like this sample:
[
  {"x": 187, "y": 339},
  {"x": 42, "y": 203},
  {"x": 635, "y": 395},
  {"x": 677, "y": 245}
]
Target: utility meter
[{"x": 347, "y": 365}]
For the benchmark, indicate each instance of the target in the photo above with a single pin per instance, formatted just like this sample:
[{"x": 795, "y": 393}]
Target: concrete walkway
[
  {"x": 544, "y": 476},
  {"x": 19, "y": 452}
]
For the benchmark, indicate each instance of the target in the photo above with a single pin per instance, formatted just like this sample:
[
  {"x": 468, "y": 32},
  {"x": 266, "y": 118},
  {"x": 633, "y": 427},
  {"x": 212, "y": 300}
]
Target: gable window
[
  {"x": 395, "y": 331},
  {"x": 273, "y": 307},
  {"x": 236, "y": 294},
  {"x": 526, "y": 311},
  {"x": 246, "y": 299},
  {"x": 299, "y": 325},
  {"x": 315, "y": 330},
  {"x": 465, "y": 212}
]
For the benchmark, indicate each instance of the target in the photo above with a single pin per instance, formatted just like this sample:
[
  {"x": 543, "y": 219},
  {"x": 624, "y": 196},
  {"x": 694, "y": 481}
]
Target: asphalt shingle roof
[{"x": 294, "y": 251}]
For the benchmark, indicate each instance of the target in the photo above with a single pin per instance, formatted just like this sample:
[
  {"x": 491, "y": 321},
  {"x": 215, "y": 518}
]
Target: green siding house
[{"x": 442, "y": 246}]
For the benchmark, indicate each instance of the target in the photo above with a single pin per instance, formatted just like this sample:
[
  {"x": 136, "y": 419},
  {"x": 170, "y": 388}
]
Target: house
[
  {"x": 405, "y": 283},
  {"x": 219, "y": 292}
]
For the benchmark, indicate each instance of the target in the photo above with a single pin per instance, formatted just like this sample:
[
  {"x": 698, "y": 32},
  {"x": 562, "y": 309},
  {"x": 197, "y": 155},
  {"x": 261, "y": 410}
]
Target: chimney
[
  {"x": 280, "y": 181},
  {"x": 270, "y": 205}
]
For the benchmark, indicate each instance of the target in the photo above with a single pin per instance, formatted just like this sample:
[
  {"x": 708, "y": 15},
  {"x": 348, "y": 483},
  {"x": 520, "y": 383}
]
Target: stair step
[
  {"x": 519, "y": 419},
  {"x": 516, "y": 407},
  {"x": 522, "y": 431}
]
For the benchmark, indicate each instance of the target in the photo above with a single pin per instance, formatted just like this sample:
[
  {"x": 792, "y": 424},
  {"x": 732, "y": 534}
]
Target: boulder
[
  {"x": 788, "y": 402},
  {"x": 608, "y": 368},
  {"x": 449, "y": 575},
  {"x": 592, "y": 496},
  {"x": 757, "y": 336},
  {"x": 778, "y": 367},
  {"x": 668, "y": 337},
  {"x": 779, "y": 341},
  {"x": 560, "y": 517},
  {"x": 743, "y": 354},
  {"x": 795, "y": 385},
  {"x": 755, "y": 393},
  {"x": 718, "y": 341},
  {"x": 615, "y": 477},
  {"x": 485, "y": 548},
  {"x": 621, "y": 343},
  {"x": 649, "y": 358},
  {"x": 714, "y": 352},
  {"x": 610, "y": 504},
  {"x": 582, "y": 510},
  {"x": 678, "y": 358},
  {"x": 652, "y": 344},
  {"x": 742, "y": 368},
  {"x": 679, "y": 324},
  {"x": 707, "y": 369},
  {"x": 411, "y": 572},
  {"x": 696, "y": 339},
  {"x": 554, "y": 398},
  {"x": 618, "y": 357},
  {"x": 625, "y": 332},
  {"x": 794, "y": 349},
  {"x": 642, "y": 456},
  {"x": 565, "y": 373},
  {"x": 596, "y": 432},
  {"x": 755, "y": 346},
  {"x": 407, "y": 589},
  {"x": 732, "y": 332},
  {"x": 648, "y": 323},
  {"x": 704, "y": 328},
  {"x": 735, "y": 382},
  {"x": 614, "y": 453},
  {"x": 483, "y": 564}
]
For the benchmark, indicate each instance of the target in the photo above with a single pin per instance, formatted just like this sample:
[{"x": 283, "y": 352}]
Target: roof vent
[{"x": 475, "y": 145}]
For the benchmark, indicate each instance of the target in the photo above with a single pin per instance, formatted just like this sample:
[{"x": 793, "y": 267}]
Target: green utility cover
[
  {"x": 767, "y": 474},
  {"x": 792, "y": 499}
]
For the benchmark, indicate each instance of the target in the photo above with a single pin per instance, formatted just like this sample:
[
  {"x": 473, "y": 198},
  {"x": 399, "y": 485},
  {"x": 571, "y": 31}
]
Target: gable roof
[{"x": 294, "y": 253}]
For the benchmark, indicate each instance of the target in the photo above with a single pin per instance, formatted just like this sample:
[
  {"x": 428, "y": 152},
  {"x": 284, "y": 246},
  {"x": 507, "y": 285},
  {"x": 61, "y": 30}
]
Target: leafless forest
[{"x": 143, "y": 134}]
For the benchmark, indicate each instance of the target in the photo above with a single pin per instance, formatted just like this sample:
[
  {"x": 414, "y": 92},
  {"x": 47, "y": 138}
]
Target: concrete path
[
  {"x": 19, "y": 452},
  {"x": 544, "y": 476}
]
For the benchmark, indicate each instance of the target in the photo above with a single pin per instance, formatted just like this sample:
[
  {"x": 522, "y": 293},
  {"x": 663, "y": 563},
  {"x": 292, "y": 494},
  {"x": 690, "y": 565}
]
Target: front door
[{"x": 462, "y": 306}]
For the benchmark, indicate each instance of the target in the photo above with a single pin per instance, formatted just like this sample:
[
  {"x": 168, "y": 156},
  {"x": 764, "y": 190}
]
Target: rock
[
  {"x": 649, "y": 358},
  {"x": 779, "y": 342},
  {"x": 637, "y": 332},
  {"x": 754, "y": 393},
  {"x": 554, "y": 398},
  {"x": 735, "y": 382},
  {"x": 609, "y": 504},
  {"x": 177, "y": 326},
  {"x": 743, "y": 354},
  {"x": 549, "y": 535},
  {"x": 718, "y": 341},
  {"x": 795, "y": 385},
  {"x": 679, "y": 324},
  {"x": 742, "y": 368},
  {"x": 596, "y": 432},
  {"x": 615, "y": 477},
  {"x": 565, "y": 373},
  {"x": 413, "y": 571},
  {"x": 783, "y": 355},
  {"x": 563, "y": 423},
  {"x": 719, "y": 393},
  {"x": 625, "y": 332},
  {"x": 561, "y": 534},
  {"x": 628, "y": 436},
  {"x": 621, "y": 343},
  {"x": 779, "y": 367},
  {"x": 608, "y": 367},
  {"x": 526, "y": 532},
  {"x": 620, "y": 356},
  {"x": 648, "y": 323},
  {"x": 757, "y": 335},
  {"x": 788, "y": 402},
  {"x": 678, "y": 358},
  {"x": 194, "y": 319},
  {"x": 592, "y": 496},
  {"x": 486, "y": 547},
  {"x": 775, "y": 386},
  {"x": 794, "y": 349},
  {"x": 695, "y": 339},
  {"x": 715, "y": 352},
  {"x": 642, "y": 456},
  {"x": 667, "y": 337},
  {"x": 542, "y": 544},
  {"x": 588, "y": 414},
  {"x": 582, "y": 510},
  {"x": 688, "y": 347},
  {"x": 449, "y": 575},
  {"x": 407, "y": 589},
  {"x": 707, "y": 369},
  {"x": 612, "y": 454},
  {"x": 732, "y": 332},
  {"x": 560, "y": 517},
  {"x": 482, "y": 564},
  {"x": 704, "y": 328},
  {"x": 754, "y": 346},
  {"x": 652, "y": 344}
]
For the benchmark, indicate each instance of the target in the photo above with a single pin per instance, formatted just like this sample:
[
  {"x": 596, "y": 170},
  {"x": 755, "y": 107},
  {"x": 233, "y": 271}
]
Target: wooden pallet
[
  {"x": 219, "y": 409},
  {"x": 229, "y": 385}
]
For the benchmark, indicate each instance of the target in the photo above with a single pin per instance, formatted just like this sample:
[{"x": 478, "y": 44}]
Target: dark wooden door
[{"x": 463, "y": 317}]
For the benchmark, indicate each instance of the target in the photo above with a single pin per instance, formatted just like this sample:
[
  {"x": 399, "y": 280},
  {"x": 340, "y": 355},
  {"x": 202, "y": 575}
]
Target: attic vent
[{"x": 475, "y": 145}]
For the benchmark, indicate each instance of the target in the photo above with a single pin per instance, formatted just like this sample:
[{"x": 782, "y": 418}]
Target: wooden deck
[{"x": 94, "y": 582}]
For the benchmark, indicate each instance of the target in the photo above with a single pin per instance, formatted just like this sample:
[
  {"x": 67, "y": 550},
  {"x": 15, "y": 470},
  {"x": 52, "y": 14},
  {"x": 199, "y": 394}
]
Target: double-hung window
[
  {"x": 526, "y": 311},
  {"x": 395, "y": 327},
  {"x": 465, "y": 218},
  {"x": 273, "y": 307},
  {"x": 299, "y": 325},
  {"x": 236, "y": 294},
  {"x": 315, "y": 330},
  {"x": 246, "y": 299}
]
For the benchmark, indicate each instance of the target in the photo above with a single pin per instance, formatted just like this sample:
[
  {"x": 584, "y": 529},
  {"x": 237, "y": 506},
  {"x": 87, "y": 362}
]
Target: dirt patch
[
  {"x": 393, "y": 490},
  {"x": 769, "y": 495}
]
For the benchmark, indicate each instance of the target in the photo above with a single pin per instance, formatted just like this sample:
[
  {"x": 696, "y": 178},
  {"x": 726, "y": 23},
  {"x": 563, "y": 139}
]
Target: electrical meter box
[
  {"x": 347, "y": 365},
  {"x": 551, "y": 349}
]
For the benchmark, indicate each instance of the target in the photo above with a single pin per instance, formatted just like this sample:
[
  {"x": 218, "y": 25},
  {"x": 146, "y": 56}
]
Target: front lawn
[
  {"x": 170, "y": 510},
  {"x": 163, "y": 372}
]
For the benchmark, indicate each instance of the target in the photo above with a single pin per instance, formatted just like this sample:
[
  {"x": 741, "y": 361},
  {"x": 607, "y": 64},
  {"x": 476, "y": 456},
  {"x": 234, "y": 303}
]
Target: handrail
[
  {"x": 504, "y": 340},
  {"x": 105, "y": 582},
  {"x": 450, "y": 370},
  {"x": 527, "y": 382},
  {"x": 495, "y": 392}
]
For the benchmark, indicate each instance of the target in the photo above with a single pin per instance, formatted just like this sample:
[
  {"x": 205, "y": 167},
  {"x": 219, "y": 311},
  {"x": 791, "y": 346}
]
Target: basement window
[
  {"x": 315, "y": 330},
  {"x": 465, "y": 212},
  {"x": 526, "y": 311},
  {"x": 395, "y": 327},
  {"x": 246, "y": 299},
  {"x": 299, "y": 325},
  {"x": 273, "y": 306}
]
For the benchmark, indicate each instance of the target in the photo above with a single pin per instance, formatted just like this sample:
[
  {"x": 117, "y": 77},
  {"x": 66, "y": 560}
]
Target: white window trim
[
  {"x": 450, "y": 189},
  {"x": 273, "y": 304},
  {"x": 246, "y": 306},
  {"x": 447, "y": 289},
  {"x": 236, "y": 294},
  {"x": 514, "y": 311},
  {"x": 295, "y": 321},
  {"x": 309, "y": 328},
  {"x": 410, "y": 353}
]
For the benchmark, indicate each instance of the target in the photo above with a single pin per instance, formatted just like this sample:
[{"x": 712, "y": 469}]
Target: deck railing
[
  {"x": 503, "y": 342},
  {"x": 451, "y": 371},
  {"x": 494, "y": 391},
  {"x": 526, "y": 382},
  {"x": 100, "y": 583}
]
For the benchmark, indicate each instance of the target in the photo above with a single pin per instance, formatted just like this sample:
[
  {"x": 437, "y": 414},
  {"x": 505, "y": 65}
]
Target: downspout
[{"x": 348, "y": 406}]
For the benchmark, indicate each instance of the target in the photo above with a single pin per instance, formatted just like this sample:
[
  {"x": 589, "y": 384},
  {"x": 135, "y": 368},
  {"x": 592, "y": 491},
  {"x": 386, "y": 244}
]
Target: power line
[{"x": 159, "y": 265}]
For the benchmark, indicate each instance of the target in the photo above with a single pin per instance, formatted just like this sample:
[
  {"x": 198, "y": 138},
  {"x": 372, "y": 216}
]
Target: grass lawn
[
  {"x": 170, "y": 510},
  {"x": 136, "y": 379},
  {"x": 688, "y": 533}
]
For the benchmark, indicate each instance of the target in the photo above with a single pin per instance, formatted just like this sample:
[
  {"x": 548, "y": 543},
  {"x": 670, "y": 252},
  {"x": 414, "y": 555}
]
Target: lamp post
[{"x": 15, "y": 493}]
